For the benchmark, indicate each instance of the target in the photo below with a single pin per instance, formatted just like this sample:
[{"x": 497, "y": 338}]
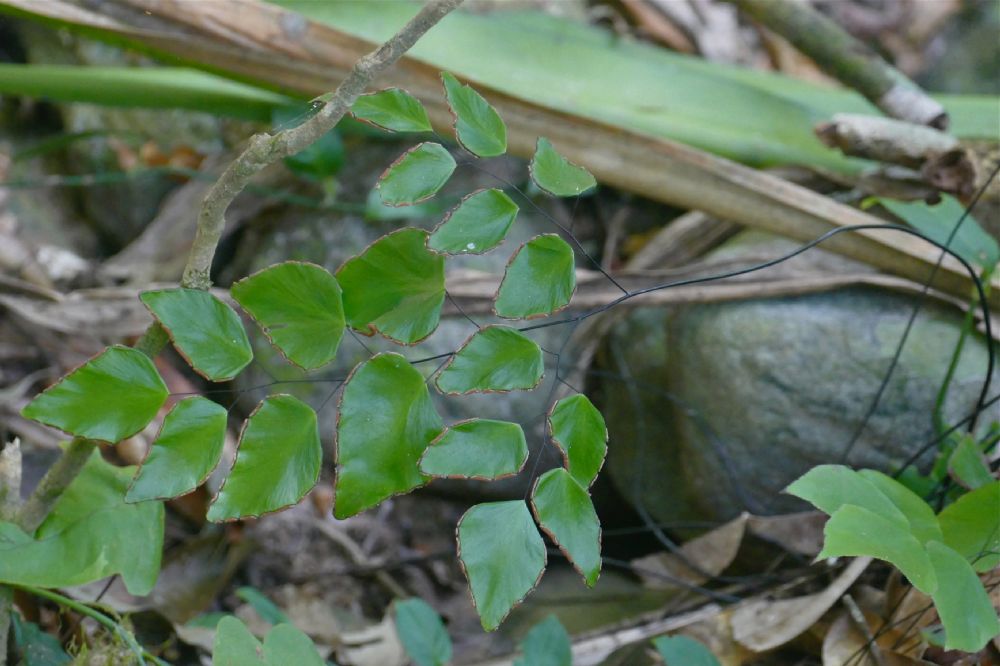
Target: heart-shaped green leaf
[
  {"x": 417, "y": 175},
  {"x": 923, "y": 523},
  {"x": 205, "y": 331},
  {"x": 566, "y": 513},
  {"x": 476, "y": 449},
  {"x": 284, "y": 644},
  {"x": 478, "y": 126},
  {"x": 578, "y": 429},
  {"x": 300, "y": 309},
  {"x": 547, "y": 644},
  {"x": 110, "y": 397},
  {"x": 386, "y": 422},
  {"x": 503, "y": 556},
  {"x": 829, "y": 487},
  {"x": 555, "y": 174},
  {"x": 277, "y": 462},
  {"x": 683, "y": 651},
  {"x": 477, "y": 225},
  {"x": 396, "y": 287},
  {"x": 495, "y": 358},
  {"x": 966, "y": 610},
  {"x": 91, "y": 534},
  {"x": 422, "y": 633},
  {"x": 855, "y": 531},
  {"x": 184, "y": 453},
  {"x": 970, "y": 526},
  {"x": 392, "y": 109},
  {"x": 540, "y": 279}
]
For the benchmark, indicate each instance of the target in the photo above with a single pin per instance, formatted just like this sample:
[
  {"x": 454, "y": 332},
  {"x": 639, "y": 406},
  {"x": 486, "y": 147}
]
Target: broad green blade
[
  {"x": 478, "y": 126},
  {"x": 939, "y": 221},
  {"x": 829, "y": 487},
  {"x": 503, "y": 556},
  {"x": 287, "y": 645},
  {"x": 970, "y": 526},
  {"x": 386, "y": 422},
  {"x": 417, "y": 175},
  {"x": 540, "y": 279},
  {"x": 555, "y": 174},
  {"x": 277, "y": 462},
  {"x": 495, "y": 358},
  {"x": 91, "y": 534},
  {"x": 392, "y": 109},
  {"x": 184, "y": 453},
  {"x": 476, "y": 449},
  {"x": 205, "y": 331},
  {"x": 966, "y": 611},
  {"x": 578, "y": 429},
  {"x": 967, "y": 465},
  {"x": 394, "y": 287},
  {"x": 923, "y": 523},
  {"x": 566, "y": 513},
  {"x": 477, "y": 225},
  {"x": 300, "y": 308},
  {"x": 110, "y": 397},
  {"x": 422, "y": 633},
  {"x": 855, "y": 531},
  {"x": 547, "y": 644},
  {"x": 683, "y": 651}
]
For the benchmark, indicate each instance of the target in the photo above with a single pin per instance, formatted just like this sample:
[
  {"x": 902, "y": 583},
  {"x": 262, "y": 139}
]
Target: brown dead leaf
[
  {"x": 800, "y": 533},
  {"x": 763, "y": 624},
  {"x": 846, "y": 645},
  {"x": 711, "y": 553}
]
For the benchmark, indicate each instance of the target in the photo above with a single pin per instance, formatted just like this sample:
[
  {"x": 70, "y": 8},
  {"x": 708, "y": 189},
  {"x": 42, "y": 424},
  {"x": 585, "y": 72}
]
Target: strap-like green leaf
[
  {"x": 395, "y": 287},
  {"x": 300, "y": 309},
  {"x": 495, "y": 358},
  {"x": 503, "y": 556},
  {"x": 184, "y": 453},
  {"x": 829, "y": 487},
  {"x": 386, "y": 422},
  {"x": 478, "y": 126},
  {"x": 110, "y": 397},
  {"x": 555, "y": 174},
  {"x": 683, "y": 651},
  {"x": 417, "y": 175},
  {"x": 477, "y": 225},
  {"x": 422, "y": 633},
  {"x": 566, "y": 513},
  {"x": 277, "y": 463},
  {"x": 966, "y": 611},
  {"x": 856, "y": 531},
  {"x": 970, "y": 526},
  {"x": 923, "y": 523},
  {"x": 392, "y": 109},
  {"x": 579, "y": 431},
  {"x": 91, "y": 534},
  {"x": 540, "y": 279},
  {"x": 547, "y": 644},
  {"x": 967, "y": 465},
  {"x": 476, "y": 449},
  {"x": 205, "y": 331}
]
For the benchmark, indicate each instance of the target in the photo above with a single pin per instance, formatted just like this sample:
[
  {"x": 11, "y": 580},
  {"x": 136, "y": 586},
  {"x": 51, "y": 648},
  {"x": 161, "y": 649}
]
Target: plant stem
[
  {"x": 76, "y": 454},
  {"x": 852, "y": 62}
]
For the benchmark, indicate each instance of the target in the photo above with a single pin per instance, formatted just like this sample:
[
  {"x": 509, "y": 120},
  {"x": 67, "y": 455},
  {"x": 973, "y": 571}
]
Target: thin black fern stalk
[{"x": 943, "y": 436}]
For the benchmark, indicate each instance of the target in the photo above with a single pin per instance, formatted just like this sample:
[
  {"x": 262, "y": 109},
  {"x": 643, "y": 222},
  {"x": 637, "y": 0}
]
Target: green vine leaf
[
  {"x": 540, "y": 279},
  {"x": 417, "y": 175},
  {"x": 91, "y": 534},
  {"x": 547, "y": 644},
  {"x": 923, "y": 523},
  {"x": 856, "y": 531},
  {"x": 502, "y": 555},
  {"x": 578, "y": 429},
  {"x": 299, "y": 307},
  {"x": 478, "y": 126},
  {"x": 555, "y": 174},
  {"x": 386, "y": 421},
  {"x": 966, "y": 611},
  {"x": 284, "y": 644},
  {"x": 422, "y": 633},
  {"x": 684, "y": 651},
  {"x": 495, "y": 358},
  {"x": 392, "y": 109},
  {"x": 186, "y": 450},
  {"x": 476, "y": 449},
  {"x": 970, "y": 526},
  {"x": 277, "y": 462},
  {"x": 564, "y": 510},
  {"x": 477, "y": 225},
  {"x": 394, "y": 287},
  {"x": 109, "y": 398},
  {"x": 205, "y": 331}
]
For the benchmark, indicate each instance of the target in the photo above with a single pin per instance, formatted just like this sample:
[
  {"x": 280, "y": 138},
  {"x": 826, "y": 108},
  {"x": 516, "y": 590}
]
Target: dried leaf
[{"x": 711, "y": 553}]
